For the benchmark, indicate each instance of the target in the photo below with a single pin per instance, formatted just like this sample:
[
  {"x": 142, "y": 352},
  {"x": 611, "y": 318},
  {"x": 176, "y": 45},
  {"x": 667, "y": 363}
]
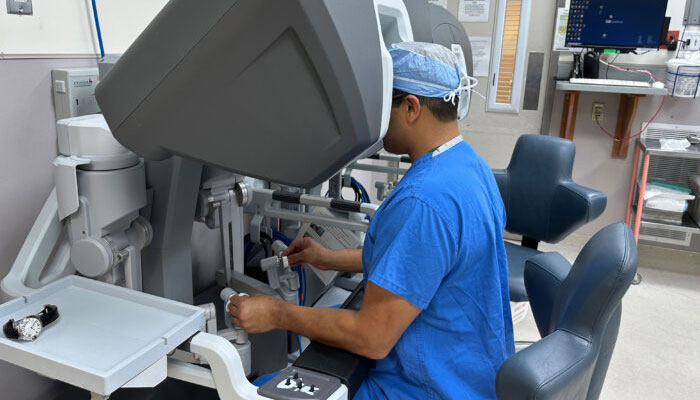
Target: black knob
[
  {"x": 288, "y": 381},
  {"x": 313, "y": 388},
  {"x": 296, "y": 376},
  {"x": 300, "y": 384}
]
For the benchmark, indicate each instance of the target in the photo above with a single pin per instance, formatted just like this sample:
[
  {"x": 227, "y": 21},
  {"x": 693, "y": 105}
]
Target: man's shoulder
[
  {"x": 458, "y": 187},
  {"x": 450, "y": 177}
]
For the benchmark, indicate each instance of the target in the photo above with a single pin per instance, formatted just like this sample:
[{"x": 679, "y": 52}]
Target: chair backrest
[
  {"x": 542, "y": 201},
  {"x": 584, "y": 316},
  {"x": 600, "y": 276}
]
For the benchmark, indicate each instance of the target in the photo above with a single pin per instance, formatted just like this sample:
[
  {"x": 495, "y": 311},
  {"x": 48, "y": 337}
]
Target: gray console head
[
  {"x": 447, "y": 30},
  {"x": 289, "y": 91},
  {"x": 432, "y": 23}
]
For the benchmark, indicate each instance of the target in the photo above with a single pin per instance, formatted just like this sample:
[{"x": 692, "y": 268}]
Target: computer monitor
[{"x": 616, "y": 24}]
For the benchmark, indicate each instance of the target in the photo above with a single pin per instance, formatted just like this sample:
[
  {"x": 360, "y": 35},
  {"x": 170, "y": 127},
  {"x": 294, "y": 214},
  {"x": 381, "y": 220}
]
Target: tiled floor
[{"x": 657, "y": 355}]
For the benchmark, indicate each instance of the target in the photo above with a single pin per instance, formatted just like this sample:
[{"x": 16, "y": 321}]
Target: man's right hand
[{"x": 309, "y": 251}]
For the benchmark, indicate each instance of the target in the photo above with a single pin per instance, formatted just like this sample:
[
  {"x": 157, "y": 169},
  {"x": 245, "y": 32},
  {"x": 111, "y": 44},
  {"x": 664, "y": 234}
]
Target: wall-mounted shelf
[
  {"x": 582, "y": 87},
  {"x": 629, "y": 103}
]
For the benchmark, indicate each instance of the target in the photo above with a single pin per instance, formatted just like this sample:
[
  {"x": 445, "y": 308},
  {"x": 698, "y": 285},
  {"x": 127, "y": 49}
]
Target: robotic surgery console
[
  {"x": 230, "y": 113},
  {"x": 254, "y": 86}
]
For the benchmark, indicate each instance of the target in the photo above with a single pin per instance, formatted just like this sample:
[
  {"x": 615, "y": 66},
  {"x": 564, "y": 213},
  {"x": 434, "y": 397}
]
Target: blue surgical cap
[{"x": 426, "y": 69}]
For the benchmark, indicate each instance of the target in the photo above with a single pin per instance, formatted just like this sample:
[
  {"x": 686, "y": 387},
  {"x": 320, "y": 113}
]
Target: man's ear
[{"x": 415, "y": 108}]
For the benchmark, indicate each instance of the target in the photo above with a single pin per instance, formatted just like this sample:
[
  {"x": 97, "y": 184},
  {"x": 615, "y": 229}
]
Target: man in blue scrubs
[{"x": 436, "y": 312}]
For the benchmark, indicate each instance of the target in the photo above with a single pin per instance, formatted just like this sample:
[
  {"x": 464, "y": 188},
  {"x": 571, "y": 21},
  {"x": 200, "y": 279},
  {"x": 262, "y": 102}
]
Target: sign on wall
[
  {"x": 481, "y": 54},
  {"x": 474, "y": 10}
]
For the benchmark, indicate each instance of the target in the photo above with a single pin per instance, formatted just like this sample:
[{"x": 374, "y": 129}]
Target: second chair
[{"x": 542, "y": 201}]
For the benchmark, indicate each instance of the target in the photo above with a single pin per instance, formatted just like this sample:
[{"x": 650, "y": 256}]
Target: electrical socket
[
  {"x": 694, "y": 38},
  {"x": 20, "y": 7},
  {"x": 598, "y": 111}
]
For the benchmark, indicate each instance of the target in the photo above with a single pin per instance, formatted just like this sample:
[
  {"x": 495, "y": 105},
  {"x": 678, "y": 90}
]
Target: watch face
[{"x": 29, "y": 328}]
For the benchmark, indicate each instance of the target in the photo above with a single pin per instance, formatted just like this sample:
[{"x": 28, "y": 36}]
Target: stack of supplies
[{"x": 666, "y": 202}]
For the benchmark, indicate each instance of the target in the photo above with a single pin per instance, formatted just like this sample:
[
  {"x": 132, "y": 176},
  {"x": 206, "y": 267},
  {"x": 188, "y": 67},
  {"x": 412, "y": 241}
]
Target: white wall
[{"x": 65, "y": 28}]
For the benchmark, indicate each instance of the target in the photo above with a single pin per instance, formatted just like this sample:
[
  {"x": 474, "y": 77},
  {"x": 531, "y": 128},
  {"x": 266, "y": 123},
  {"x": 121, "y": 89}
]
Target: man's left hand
[{"x": 256, "y": 314}]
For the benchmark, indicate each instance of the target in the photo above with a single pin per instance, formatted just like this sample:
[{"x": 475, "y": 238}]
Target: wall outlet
[
  {"x": 694, "y": 38},
  {"x": 598, "y": 111},
  {"x": 20, "y": 7}
]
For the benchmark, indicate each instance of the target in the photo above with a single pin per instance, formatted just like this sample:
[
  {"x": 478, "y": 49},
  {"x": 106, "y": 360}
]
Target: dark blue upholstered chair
[
  {"x": 542, "y": 201},
  {"x": 577, "y": 310}
]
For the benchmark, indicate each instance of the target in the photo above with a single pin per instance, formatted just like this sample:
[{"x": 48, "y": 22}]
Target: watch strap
[
  {"x": 10, "y": 330},
  {"x": 48, "y": 315}
]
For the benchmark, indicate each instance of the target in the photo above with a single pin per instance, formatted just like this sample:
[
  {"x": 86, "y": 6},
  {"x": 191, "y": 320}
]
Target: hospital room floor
[{"x": 657, "y": 355}]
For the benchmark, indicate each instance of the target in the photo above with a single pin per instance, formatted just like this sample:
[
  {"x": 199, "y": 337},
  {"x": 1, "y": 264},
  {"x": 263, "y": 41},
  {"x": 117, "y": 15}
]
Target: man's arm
[
  {"x": 371, "y": 332},
  {"x": 307, "y": 250}
]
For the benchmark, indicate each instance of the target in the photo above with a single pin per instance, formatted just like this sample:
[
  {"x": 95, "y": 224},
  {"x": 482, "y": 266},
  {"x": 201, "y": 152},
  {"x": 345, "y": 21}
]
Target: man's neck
[{"x": 433, "y": 137}]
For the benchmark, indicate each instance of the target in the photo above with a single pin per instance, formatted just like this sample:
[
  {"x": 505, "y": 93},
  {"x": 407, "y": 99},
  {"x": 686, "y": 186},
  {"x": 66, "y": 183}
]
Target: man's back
[{"x": 437, "y": 241}]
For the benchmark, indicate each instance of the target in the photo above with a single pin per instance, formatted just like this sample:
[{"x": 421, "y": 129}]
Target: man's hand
[
  {"x": 256, "y": 314},
  {"x": 309, "y": 251}
]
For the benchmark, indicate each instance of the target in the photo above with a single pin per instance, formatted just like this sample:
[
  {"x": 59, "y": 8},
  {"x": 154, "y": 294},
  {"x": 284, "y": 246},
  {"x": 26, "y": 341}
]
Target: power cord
[
  {"x": 639, "y": 71},
  {"x": 611, "y": 63},
  {"x": 621, "y": 139},
  {"x": 681, "y": 42}
]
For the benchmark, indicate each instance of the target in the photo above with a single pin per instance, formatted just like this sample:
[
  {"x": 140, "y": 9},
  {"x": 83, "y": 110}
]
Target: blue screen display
[{"x": 616, "y": 23}]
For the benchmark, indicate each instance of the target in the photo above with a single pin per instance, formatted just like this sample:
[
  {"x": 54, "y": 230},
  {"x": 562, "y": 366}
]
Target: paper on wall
[
  {"x": 560, "y": 32},
  {"x": 474, "y": 10},
  {"x": 481, "y": 54},
  {"x": 442, "y": 3}
]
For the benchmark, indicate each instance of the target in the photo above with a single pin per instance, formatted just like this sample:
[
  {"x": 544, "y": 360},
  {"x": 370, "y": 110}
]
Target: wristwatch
[{"x": 29, "y": 328}]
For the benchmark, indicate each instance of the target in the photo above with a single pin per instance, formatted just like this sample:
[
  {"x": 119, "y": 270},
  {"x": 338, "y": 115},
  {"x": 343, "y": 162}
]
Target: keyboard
[{"x": 610, "y": 82}]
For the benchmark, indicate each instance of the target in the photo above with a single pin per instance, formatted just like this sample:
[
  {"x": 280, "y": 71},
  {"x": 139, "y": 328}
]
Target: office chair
[
  {"x": 542, "y": 202},
  {"x": 577, "y": 310}
]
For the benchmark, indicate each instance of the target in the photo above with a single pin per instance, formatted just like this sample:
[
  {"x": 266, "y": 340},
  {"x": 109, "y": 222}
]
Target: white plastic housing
[{"x": 90, "y": 138}]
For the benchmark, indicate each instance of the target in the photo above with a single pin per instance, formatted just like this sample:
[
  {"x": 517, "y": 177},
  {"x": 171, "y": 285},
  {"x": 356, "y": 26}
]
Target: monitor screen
[{"x": 616, "y": 24}]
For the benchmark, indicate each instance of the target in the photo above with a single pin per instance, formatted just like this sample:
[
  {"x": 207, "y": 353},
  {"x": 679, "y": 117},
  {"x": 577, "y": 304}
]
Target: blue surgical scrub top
[{"x": 437, "y": 241}]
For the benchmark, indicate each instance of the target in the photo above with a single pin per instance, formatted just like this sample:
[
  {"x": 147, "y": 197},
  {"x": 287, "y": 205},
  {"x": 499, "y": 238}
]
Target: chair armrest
[
  {"x": 544, "y": 274},
  {"x": 597, "y": 201},
  {"x": 573, "y": 206},
  {"x": 553, "y": 368},
  {"x": 503, "y": 182}
]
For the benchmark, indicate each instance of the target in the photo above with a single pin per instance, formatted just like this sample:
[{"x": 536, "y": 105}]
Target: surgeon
[{"x": 436, "y": 312}]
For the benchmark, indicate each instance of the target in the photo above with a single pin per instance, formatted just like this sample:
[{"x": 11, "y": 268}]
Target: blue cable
[
  {"x": 364, "y": 195},
  {"x": 248, "y": 248},
  {"x": 281, "y": 237},
  {"x": 99, "y": 31}
]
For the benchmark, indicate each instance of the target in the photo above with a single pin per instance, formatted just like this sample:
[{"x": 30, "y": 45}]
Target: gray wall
[
  {"x": 594, "y": 166},
  {"x": 28, "y": 143}
]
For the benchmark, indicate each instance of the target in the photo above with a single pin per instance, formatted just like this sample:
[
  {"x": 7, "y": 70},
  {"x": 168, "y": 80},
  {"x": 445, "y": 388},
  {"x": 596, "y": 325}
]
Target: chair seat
[{"x": 517, "y": 255}]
